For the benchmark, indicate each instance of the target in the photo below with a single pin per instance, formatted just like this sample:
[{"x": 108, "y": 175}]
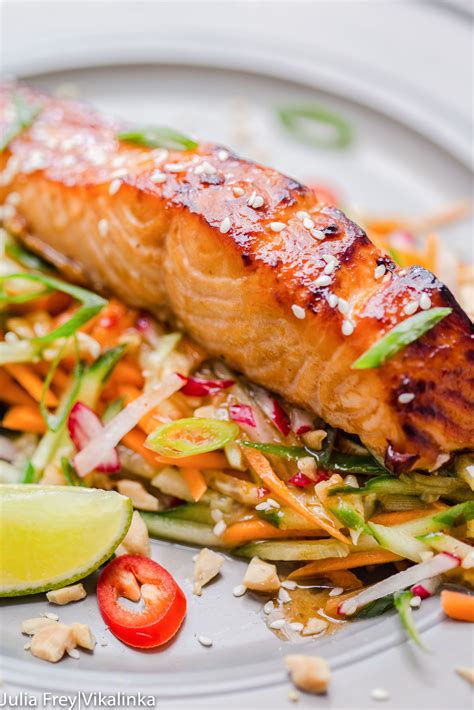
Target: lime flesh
[{"x": 51, "y": 536}]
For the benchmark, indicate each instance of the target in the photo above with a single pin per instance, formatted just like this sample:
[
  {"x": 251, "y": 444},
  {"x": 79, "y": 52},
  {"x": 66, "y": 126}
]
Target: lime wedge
[{"x": 51, "y": 536}]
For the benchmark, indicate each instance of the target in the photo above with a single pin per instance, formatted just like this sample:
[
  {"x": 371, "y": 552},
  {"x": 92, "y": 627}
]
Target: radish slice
[
  {"x": 274, "y": 411},
  {"x": 426, "y": 588},
  {"x": 301, "y": 421},
  {"x": 84, "y": 425},
  {"x": 87, "y": 459},
  {"x": 413, "y": 575},
  {"x": 197, "y": 387},
  {"x": 242, "y": 414}
]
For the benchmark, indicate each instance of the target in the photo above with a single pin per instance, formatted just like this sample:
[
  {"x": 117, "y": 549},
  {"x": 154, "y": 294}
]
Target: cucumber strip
[
  {"x": 445, "y": 543},
  {"x": 348, "y": 516},
  {"x": 417, "y": 484},
  {"x": 286, "y": 519},
  {"x": 402, "y": 605},
  {"x": 398, "y": 541},
  {"x": 464, "y": 468},
  {"x": 293, "y": 550},
  {"x": 190, "y": 511},
  {"x": 186, "y": 531}
]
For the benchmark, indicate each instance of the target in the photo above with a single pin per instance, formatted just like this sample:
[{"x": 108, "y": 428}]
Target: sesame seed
[
  {"x": 296, "y": 626},
  {"x": 238, "y": 191},
  {"x": 103, "y": 227},
  {"x": 323, "y": 280},
  {"x": 73, "y": 652},
  {"x": 328, "y": 258},
  {"x": 293, "y": 696},
  {"x": 158, "y": 177},
  {"x": 223, "y": 155},
  {"x": 205, "y": 168},
  {"x": 289, "y": 584},
  {"x": 268, "y": 608},
  {"x": 121, "y": 172},
  {"x": 406, "y": 397},
  {"x": 104, "y": 642},
  {"x": 333, "y": 300},
  {"x": 342, "y": 306},
  {"x": 277, "y": 226},
  {"x": 216, "y": 515},
  {"x": 410, "y": 308},
  {"x": 330, "y": 268},
  {"x": 302, "y": 214},
  {"x": 175, "y": 167},
  {"x": 114, "y": 186},
  {"x": 258, "y": 202},
  {"x": 50, "y": 615},
  {"x": 219, "y": 528},
  {"x": 262, "y": 506},
  {"x": 27, "y": 646},
  {"x": 336, "y": 592},
  {"x": 415, "y": 602},
  {"x": 298, "y": 311},
  {"x": 317, "y": 234},
  {"x": 225, "y": 225},
  {"x": 308, "y": 223},
  {"x": 239, "y": 590},
  {"x": 118, "y": 161},
  {"x": 278, "y": 624},
  {"x": 204, "y": 640},
  {"x": 425, "y": 302},
  {"x": 379, "y": 271},
  {"x": 272, "y": 503},
  {"x": 283, "y": 596},
  {"x": 379, "y": 694},
  {"x": 347, "y": 327},
  {"x": 387, "y": 277}
]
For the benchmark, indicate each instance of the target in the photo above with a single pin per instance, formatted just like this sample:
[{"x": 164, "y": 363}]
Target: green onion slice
[
  {"x": 30, "y": 348},
  {"x": 55, "y": 422},
  {"x": 187, "y": 437},
  {"x": 160, "y": 137},
  {"x": 333, "y": 131},
  {"x": 26, "y": 258},
  {"x": 25, "y": 114},
  {"x": 399, "y": 337},
  {"x": 402, "y": 605}
]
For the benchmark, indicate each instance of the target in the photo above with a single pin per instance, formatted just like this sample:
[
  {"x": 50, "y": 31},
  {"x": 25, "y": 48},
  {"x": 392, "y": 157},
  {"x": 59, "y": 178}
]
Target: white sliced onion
[
  {"x": 86, "y": 460},
  {"x": 425, "y": 570}
]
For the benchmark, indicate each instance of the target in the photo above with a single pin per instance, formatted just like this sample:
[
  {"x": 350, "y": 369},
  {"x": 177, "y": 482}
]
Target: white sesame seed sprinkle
[
  {"x": 347, "y": 327},
  {"x": 219, "y": 528},
  {"x": 225, "y": 225},
  {"x": 223, "y": 155},
  {"x": 379, "y": 271},
  {"x": 175, "y": 167},
  {"x": 333, "y": 300},
  {"x": 410, "y": 308},
  {"x": 425, "y": 302},
  {"x": 216, "y": 515},
  {"x": 298, "y": 311},
  {"x": 336, "y": 592},
  {"x": 330, "y": 268},
  {"x": 50, "y": 615},
  {"x": 204, "y": 640},
  {"x": 251, "y": 199},
  {"x": 293, "y": 696},
  {"x": 283, "y": 596},
  {"x": 387, "y": 277},
  {"x": 278, "y": 624},
  {"x": 262, "y": 506},
  {"x": 296, "y": 626},
  {"x": 121, "y": 172},
  {"x": 277, "y": 226},
  {"x": 379, "y": 694},
  {"x": 406, "y": 397},
  {"x": 258, "y": 202},
  {"x": 238, "y": 191},
  {"x": 114, "y": 186},
  {"x": 330, "y": 258},
  {"x": 302, "y": 214},
  {"x": 239, "y": 590},
  {"x": 268, "y": 607},
  {"x": 289, "y": 584},
  {"x": 323, "y": 280},
  {"x": 158, "y": 177},
  {"x": 103, "y": 227},
  {"x": 205, "y": 168},
  {"x": 342, "y": 306},
  {"x": 415, "y": 602},
  {"x": 308, "y": 223},
  {"x": 317, "y": 234},
  {"x": 273, "y": 503},
  {"x": 73, "y": 652},
  {"x": 27, "y": 646}
]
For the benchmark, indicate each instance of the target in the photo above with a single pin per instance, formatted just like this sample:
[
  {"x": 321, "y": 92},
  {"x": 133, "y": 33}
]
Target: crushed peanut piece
[
  {"x": 137, "y": 493},
  {"x": 261, "y": 576},
  {"x": 31, "y": 626},
  {"x": 466, "y": 673},
  {"x": 65, "y": 595},
  {"x": 83, "y": 636},
  {"x": 208, "y": 564},
  {"x": 309, "y": 673},
  {"x": 314, "y": 625},
  {"x": 137, "y": 540},
  {"x": 314, "y": 439},
  {"x": 51, "y": 642}
]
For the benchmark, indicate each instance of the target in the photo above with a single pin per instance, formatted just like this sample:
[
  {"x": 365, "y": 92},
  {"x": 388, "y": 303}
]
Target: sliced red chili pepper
[
  {"x": 300, "y": 480},
  {"x": 136, "y": 577}
]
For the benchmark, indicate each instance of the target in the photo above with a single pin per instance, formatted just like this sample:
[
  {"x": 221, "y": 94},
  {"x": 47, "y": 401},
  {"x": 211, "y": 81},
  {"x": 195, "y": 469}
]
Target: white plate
[{"x": 389, "y": 168}]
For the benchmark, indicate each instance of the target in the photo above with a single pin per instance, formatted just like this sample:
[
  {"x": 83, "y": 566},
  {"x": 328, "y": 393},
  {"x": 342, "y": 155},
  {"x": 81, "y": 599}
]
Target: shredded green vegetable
[
  {"x": 315, "y": 125},
  {"x": 54, "y": 422},
  {"x": 402, "y": 605},
  {"x": 160, "y": 137},
  {"x": 25, "y": 114},
  {"x": 399, "y": 337}
]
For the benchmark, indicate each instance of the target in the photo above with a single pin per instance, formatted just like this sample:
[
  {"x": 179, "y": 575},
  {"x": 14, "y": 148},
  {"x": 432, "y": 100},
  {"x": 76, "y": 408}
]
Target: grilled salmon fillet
[{"x": 286, "y": 290}]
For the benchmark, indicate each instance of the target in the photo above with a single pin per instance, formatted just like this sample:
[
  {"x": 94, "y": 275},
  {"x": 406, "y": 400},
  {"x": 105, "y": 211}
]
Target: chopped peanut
[
  {"x": 307, "y": 465},
  {"x": 31, "y": 626},
  {"x": 309, "y": 673},
  {"x": 261, "y": 576},
  {"x": 137, "y": 493},
  {"x": 83, "y": 636},
  {"x": 136, "y": 541},
  {"x": 314, "y": 626},
  {"x": 65, "y": 595},
  {"x": 466, "y": 673},
  {"x": 53, "y": 476},
  {"x": 208, "y": 564},
  {"x": 314, "y": 439},
  {"x": 51, "y": 642}
]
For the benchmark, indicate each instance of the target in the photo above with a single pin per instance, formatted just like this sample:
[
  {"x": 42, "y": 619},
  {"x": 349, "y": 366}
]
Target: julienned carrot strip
[
  {"x": 403, "y": 516},
  {"x": 128, "y": 373},
  {"x": 60, "y": 378},
  {"x": 128, "y": 392},
  {"x": 457, "y": 605},
  {"x": 24, "y": 418},
  {"x": 354, "y": 559},
  {"x": 195, "y": 482},
  {"x": 343, "y": 578},
  {"x": 263, "y": 469},
  {"x": 30, "y": 381},
  {"x": 249, "y": 530},
  {"x": 10, "y": 392},
  {"x": 135, "y": 438}
]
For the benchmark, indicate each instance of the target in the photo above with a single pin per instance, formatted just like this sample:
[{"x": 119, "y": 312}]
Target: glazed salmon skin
[{"x": 283, "y": 288}]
